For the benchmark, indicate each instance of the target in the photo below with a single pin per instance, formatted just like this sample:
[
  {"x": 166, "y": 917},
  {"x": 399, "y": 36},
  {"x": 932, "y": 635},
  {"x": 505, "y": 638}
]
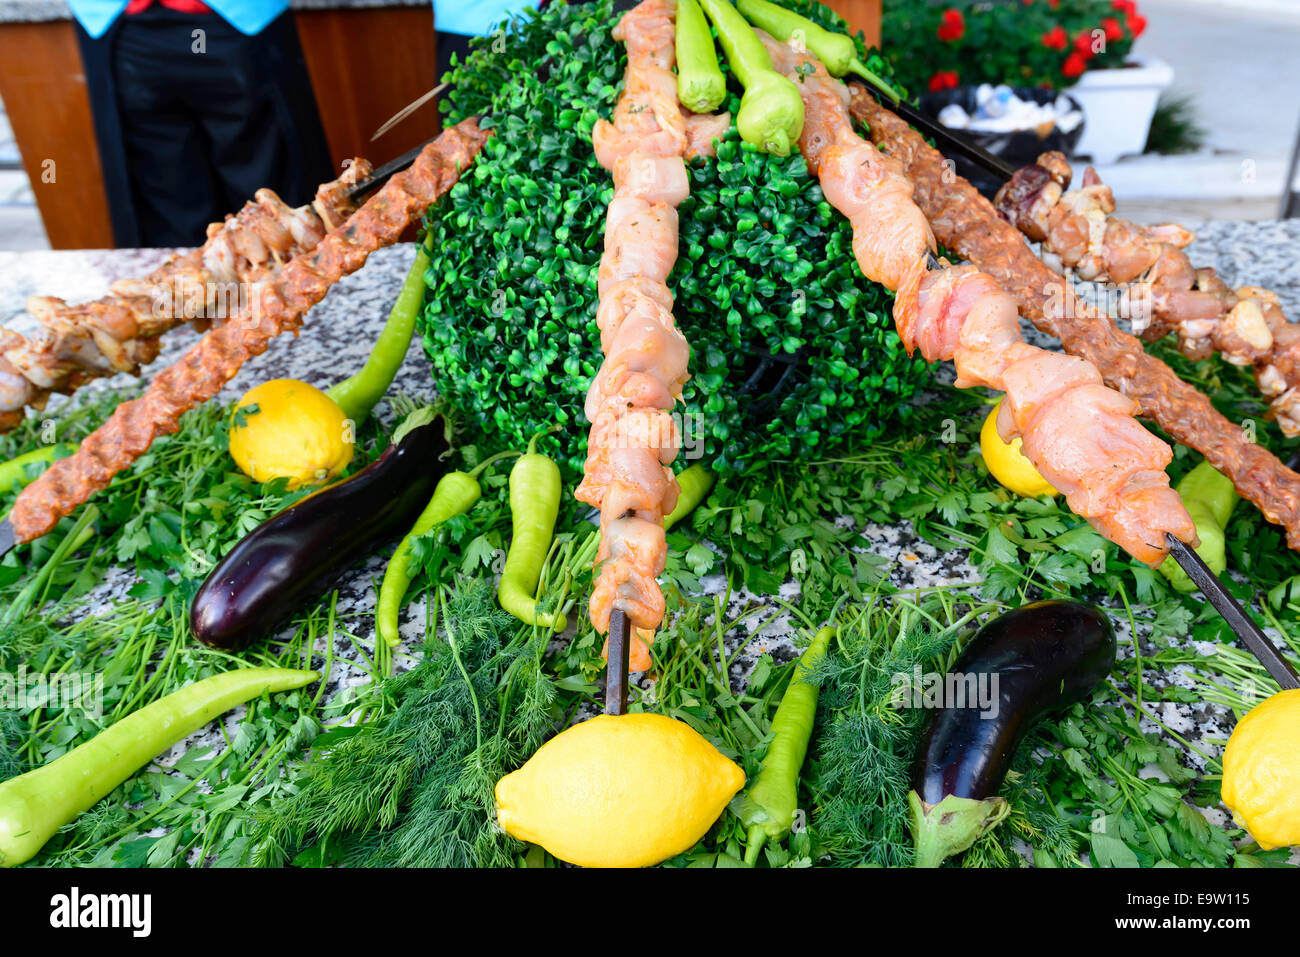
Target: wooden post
[
  {"x": 44, "y": 94},
  {"x": 365, "y": 65}
]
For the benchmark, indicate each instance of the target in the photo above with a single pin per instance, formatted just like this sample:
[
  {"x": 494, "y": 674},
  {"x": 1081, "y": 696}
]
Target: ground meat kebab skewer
[
  {"x": 278, "y": 306},
  {"x": 119, "y": 332},
  {"x": 633, "y": 436},
  {"x": 1080, "y": 434},
  {"x": 967, "y": 223},
  {"x": 1162, "y": 292}
]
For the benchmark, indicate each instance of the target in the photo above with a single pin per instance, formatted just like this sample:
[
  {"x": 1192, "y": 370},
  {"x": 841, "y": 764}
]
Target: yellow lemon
[
  {"x": 1261, "y": 771},
  {"x": 618, "y": 791},
  {"x": 1007, "y": 463},
  {"x": 292, "y": 430}
]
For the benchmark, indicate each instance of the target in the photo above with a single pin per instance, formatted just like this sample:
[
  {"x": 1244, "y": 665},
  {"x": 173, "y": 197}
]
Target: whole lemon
[
  {"x": 291, "y": 430},
  {"x": 618, "y": 791},
  {"x": 1007, "y": 463},
  {"x": 1261, "y": 771}
]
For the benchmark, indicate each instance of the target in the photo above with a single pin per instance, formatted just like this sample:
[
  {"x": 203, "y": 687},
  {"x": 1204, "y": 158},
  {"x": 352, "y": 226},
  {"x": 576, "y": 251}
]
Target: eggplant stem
[{"x": 941, "y": 830}]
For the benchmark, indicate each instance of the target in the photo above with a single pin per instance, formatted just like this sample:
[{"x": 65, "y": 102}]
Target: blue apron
[
  {"x": 475, "y": 18},
  {"x": 249, "y": 17}
]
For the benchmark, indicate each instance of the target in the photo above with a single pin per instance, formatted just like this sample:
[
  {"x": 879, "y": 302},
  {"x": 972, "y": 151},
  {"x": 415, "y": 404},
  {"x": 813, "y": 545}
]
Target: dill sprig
[
  {"x": 414, "y": 786},
  {"x": 865, "y": 750}
]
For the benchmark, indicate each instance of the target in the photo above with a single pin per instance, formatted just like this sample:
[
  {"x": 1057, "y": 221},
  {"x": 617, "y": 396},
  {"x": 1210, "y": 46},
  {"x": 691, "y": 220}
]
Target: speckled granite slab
[{"x": 338, "y": 334}]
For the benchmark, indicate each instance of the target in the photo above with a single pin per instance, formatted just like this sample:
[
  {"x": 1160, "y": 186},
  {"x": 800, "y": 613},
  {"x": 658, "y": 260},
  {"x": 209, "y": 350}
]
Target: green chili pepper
[
  {"x": 13, "y": 474},
  {"x": 695, "y": 483},
  {"x": 1286, "y": 594},
  {"x": 700, "y": 84},
  {"x": 769, "y": 807},
  {"x": 1209, "y": 498},
  {"x": 838, "y": 52},
  {"x": 455, "y": 494},
  {"x": 33, "y": 806},
  {"x": 535, "y": 489},
  {"x": 358, "y": 394},
  {"x": 771, "y": 111}
]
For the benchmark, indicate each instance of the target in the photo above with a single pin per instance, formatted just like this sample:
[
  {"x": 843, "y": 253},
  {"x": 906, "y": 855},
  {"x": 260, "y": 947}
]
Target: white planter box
[{"x": 1118, "y": 106}]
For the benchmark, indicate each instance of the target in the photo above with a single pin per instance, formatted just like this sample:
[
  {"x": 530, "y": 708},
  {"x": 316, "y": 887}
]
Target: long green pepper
[
  {"x": 771, "y": 111},
  {"x": 357, "y": 394},
  {"x": 13, "y": 474},
  {"x": 837, "y": 52},
  {"x": 455, "y": 494},
  {"x": 1209, "y": 498},
  {"x": 700, "y": 84},
  {"x": 694, "y": 484},
  {"x": 535, "y": 489},
  {"x": 33, "y": 806},
  {"x": 769, "y": 807}
]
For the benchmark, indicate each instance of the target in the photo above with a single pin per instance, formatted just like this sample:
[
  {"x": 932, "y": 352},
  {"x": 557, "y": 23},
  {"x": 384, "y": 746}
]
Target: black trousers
[
  {"x": 447, "y": 44},
  {"x": 190, "y": 124}
]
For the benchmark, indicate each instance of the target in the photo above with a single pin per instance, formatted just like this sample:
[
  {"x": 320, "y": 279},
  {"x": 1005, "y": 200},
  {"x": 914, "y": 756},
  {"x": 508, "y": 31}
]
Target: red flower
[
  {"x": 1127, "y": 7},
  {"x": 1136, "y": 25},
  {"x": 1083, "y": 45},
  {"x": 1074, "y": 65},
  {"x": 1053, "y": 3},
  {"x": 1113, "y": 30},
  {"x": 952, "y": 25},
  {"x": 944, "y": 80},
  {"x": 1055, "y": 38}
]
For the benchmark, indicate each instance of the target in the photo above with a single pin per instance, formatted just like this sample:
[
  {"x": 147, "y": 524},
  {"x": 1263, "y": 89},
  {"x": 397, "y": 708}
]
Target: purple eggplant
[
  {"x": 294, "y": 556},
  {"x": 1030, "y": 661}
]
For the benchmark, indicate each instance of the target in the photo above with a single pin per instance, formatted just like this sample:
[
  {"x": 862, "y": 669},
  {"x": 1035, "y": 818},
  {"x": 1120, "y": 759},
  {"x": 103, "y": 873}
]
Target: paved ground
[
  {"x": 20, "y": 225},
  {"x": 1240, "y": 63}
]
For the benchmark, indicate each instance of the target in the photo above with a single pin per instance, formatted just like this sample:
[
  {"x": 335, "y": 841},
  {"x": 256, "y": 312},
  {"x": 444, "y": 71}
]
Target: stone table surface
[{"x": 339, "y": 331}]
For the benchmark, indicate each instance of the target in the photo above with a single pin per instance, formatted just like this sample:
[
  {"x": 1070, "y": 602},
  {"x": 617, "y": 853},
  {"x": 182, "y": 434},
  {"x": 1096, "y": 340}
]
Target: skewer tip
[
  {"x": 620, "y": 635},
  {"x": 1242, "y": 625}
]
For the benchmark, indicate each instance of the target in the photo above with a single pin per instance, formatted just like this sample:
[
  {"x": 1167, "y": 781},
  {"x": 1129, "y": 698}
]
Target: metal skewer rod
[
  {"x": 620, "y": 640},
  {"x": 386, "y": 172},
  {"x": 618, "y": 657},
  {"x": 1247, "y": 632},
  {"x": 955, "y": 142}
]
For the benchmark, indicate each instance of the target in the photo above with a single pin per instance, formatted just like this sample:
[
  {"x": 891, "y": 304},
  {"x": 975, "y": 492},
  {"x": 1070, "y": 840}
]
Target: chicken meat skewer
[
  {"x": 1163, "y": 291},
  {"x": 634, "y": 438},
  {"x": 120, "y": 332},
  {"x": 964, "y": 221},
  {"x": 279, "y": 306},
  {"x": 1073, "y": 427},
  {"x": 1080, "y": 434}
]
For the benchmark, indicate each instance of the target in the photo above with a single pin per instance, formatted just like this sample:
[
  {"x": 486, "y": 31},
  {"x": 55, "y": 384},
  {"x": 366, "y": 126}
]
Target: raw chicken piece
[
  {"x": 701, "y": 130},
  {"x": 656, "y": 179},
  {"x": 645, "y": 342},
  {"x": 618, "y": 299},
  {"x": 641, "y": 242},
  {"x": 632, "y": 553}
]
